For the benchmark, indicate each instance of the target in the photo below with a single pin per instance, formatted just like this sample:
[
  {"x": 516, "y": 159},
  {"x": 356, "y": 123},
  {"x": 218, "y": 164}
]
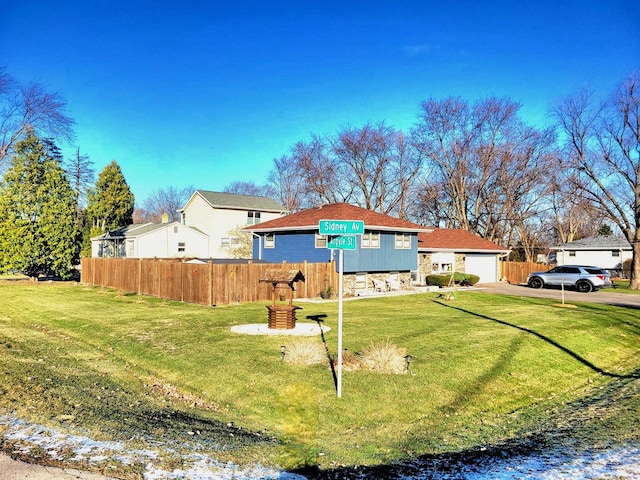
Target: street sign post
[{"x": 341, "y": 235}]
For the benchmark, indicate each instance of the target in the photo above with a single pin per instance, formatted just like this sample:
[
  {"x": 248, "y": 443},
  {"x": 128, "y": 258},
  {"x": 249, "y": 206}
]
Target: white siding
[
  {"x": 598, "y": 258},
  {"x": 217, "y": 223},
  {"x": 164, "y": 243}
]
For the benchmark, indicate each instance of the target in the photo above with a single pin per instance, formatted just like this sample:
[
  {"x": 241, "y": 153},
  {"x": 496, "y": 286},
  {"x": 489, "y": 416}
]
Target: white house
[
  {"x": 606, "y": 251},
  {"x": 217, "y": 214},
  {"x": 151, "y": 240}
]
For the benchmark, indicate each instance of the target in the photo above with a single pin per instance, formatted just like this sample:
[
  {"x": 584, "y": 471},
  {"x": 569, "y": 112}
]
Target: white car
[{"x": 583, "y": 278}]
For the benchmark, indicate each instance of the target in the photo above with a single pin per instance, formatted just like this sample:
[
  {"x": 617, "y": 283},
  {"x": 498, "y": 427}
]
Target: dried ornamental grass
[
  {"x": 384, "y": 357},
  {"x": 305, "y": 351},
  {"x": 350, "y": 361}
]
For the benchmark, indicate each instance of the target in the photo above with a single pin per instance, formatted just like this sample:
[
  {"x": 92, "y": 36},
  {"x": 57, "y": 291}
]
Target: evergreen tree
[
  {"x": 37, "y": 213},
  {"x": 111, "y": 202}
]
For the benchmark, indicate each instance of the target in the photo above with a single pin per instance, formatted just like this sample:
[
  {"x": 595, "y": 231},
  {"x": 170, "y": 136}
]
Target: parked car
[{"x": 583, "y": 278}]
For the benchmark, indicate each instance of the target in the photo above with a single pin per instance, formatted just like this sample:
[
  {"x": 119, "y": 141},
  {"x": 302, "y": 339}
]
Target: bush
[
  {"x": 458, "y": 278},
  {"x": 626, "y": 269}
]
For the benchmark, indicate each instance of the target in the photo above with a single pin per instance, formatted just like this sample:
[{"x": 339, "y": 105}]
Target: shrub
[
  {"x": 305, "y": 351},
  {"x": 626, "y": 268},
  {"x": 458, "y": 277},
  {"x": 384, "y": 357}
]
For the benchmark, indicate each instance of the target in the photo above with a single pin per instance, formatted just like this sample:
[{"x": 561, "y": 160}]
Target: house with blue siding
[{"x": 385, "y": 255}]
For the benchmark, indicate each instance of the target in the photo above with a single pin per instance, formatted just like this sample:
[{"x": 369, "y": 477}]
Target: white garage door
[{"x": 485, "y": 266}]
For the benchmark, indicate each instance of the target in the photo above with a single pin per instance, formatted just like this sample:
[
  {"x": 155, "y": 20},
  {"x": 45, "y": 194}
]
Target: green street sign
[
  {"x": 343, "y": 242},
  {"x": 341, "y": 227}
]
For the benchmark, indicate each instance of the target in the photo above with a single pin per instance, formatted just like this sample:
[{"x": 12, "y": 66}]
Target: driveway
[{"x": 608, "y": 295}]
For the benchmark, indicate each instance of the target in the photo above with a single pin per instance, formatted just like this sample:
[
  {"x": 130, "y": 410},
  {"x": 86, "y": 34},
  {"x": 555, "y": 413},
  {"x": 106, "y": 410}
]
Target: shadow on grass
[
  {"x": 550, "y": 341},
  {"x": 319, "y": 319},
  {"x": 587, "y": 425}
]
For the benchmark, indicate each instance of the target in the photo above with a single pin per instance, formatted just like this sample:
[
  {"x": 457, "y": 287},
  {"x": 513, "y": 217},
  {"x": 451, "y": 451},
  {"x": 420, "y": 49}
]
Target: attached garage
[
  {"x": 484, "y": 265},
  {"x": 447, "y": 249}
]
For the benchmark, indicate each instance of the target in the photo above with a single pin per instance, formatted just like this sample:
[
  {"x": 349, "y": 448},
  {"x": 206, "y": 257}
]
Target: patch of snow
[
  {"x": 615, "y": 463},
  {"x": 198, "y": 466}
]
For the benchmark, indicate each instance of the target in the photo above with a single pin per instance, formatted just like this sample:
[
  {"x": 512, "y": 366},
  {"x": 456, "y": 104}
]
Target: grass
[{"x": 486, "y": 370}]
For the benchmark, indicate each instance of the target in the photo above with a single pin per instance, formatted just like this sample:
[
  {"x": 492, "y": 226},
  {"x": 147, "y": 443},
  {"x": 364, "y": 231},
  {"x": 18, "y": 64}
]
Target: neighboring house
[
  {"x": 217, "y": 214},
  {"x": 606, "y": 251},
  {"x": 384, "y": 256},
  {"x": 151, "y": 240},
  {"x": 453, "y": 250}
]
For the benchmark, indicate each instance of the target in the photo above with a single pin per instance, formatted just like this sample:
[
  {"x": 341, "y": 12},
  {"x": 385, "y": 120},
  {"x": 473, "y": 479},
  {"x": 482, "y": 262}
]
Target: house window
[
  {"x": 442, "y": 262},
  {"x": 361, "y": 281},
  {"x": 253, "y": 218},
  {"x": 181, "y": 247},
  {"x": 227, "y": 242},
  {"x": 370, "y": 240},
  {"x": 175, "y": 229},
  {"x": 572, "y": 253},
  {"x": 403, "y": 241},
  {"x": 130, "y": 248},
  {"x": 321, "y": 241},
  {"x": 615, "y": 253},
  {"x": 269, "y": 240}
]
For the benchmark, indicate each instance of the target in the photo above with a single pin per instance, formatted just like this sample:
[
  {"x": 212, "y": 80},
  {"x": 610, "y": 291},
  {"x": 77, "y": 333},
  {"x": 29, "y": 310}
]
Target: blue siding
[
  {"x": 292, "y": 247},
  {"x": 384, "y": 259},
  {"x": 300, "y": 246}
]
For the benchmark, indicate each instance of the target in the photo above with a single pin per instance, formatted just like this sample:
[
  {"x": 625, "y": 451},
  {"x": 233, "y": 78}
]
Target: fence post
[
  {"x": 306, "y": 281},
  {"x": 210, "y": 293}
]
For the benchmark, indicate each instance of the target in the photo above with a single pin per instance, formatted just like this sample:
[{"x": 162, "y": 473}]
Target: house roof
[
  {"x": 238, "y": 201},
  {"x": 139, "y": 229},
  {"x": 597, "y": 242},
  {"x": 310, "y": 219},
  {"x": 452, "y": 239}
]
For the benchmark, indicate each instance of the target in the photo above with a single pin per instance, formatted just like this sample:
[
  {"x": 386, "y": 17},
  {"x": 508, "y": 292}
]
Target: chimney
[{"x": 165, "y": 218}]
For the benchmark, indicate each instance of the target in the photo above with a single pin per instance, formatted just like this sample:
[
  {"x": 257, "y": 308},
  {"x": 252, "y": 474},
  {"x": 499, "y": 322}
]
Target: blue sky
[{"x": 205, "y": 93}]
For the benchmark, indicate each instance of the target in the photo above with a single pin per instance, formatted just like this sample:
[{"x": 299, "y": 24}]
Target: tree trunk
[{"x": 634, "y": 282}]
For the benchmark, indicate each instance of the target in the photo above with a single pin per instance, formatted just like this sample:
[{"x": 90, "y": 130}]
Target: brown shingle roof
[
  {"x": 310, "y": 219},
  {"x": 456, "y": 239}
]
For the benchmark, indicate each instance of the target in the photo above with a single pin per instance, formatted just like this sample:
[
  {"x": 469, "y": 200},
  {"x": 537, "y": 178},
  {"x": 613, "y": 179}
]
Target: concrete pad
[{"x": 301, "y": 329}]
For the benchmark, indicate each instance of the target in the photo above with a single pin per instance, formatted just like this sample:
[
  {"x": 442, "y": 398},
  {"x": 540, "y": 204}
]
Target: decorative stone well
[{"x": 282, "y": 316}]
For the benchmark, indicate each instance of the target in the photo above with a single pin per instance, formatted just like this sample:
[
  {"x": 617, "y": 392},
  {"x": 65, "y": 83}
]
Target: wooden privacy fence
[
  {"x": 206, "y": 284},
  {"x": 517, "y": 272}
]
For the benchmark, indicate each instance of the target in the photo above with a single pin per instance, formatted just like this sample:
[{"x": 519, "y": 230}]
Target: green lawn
[{"x": 486, "y": 369}]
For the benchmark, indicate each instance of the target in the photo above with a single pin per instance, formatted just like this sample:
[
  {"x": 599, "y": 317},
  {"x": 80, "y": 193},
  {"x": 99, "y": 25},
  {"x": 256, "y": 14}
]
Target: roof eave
[
  {"x": 461, "y": 250},
  {"x": 316, "y": 227}
]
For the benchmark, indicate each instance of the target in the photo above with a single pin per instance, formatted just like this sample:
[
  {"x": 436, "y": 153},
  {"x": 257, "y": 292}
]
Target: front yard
[{"x": 486, "y": 370}]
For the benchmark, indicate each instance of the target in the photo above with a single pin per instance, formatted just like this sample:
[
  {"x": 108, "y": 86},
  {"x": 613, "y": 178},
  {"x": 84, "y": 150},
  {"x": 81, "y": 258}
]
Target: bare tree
[
  {"x": 603, "y": 146},
  {"x": 167, "y": 201},
  {"x": 374, "y": 167},
  {"x": 573, "y": 216},
  {"x": 30, "y": 107},
  {"x": 485, "y": 165},
  {"x": 250, "y": 188},
  {"x": 378, "y": 166},
  {"x": 322, "y": 177},
  {"x": 81, "y": 176},
  {"x": 287, "y": 181}
]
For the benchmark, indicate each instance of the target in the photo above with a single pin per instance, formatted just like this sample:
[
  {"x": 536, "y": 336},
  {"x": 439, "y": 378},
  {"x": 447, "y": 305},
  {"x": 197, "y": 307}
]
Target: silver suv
[{"x": 583, "y": 278}]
